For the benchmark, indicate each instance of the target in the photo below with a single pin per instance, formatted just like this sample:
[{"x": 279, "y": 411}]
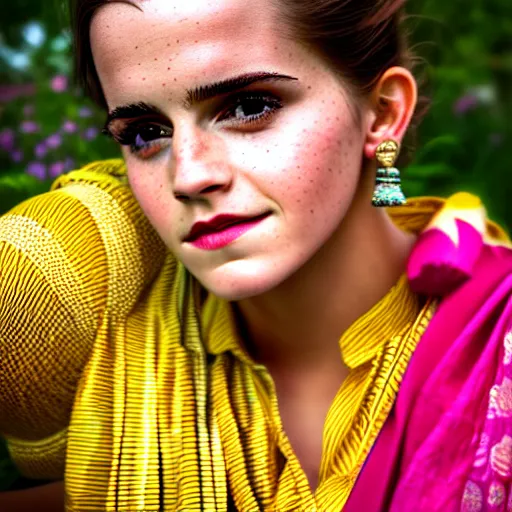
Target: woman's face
[{"x": 221, "y": 115}]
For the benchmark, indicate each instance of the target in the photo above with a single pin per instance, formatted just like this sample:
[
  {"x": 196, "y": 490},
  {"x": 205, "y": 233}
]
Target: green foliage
[{"x": 464, "y": 141}]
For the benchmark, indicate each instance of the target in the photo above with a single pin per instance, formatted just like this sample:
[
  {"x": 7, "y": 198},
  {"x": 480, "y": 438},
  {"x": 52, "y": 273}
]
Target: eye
[
  {"x": 251, "y": 108},
  {"x": 146, "y": 140}
]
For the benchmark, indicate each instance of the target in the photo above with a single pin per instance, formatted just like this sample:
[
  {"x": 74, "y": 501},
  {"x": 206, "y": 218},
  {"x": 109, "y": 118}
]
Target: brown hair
[{"x": 360, "y": 39}]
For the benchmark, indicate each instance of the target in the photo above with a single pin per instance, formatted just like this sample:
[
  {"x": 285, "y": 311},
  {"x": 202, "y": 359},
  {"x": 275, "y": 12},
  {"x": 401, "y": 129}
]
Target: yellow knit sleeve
[{"x": 55, "y": 276}]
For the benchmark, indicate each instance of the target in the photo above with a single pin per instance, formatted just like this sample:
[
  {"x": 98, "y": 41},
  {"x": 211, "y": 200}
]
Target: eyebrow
[
  {"x": 206, "y": 92},
  {"x": 198, "y": 95}
]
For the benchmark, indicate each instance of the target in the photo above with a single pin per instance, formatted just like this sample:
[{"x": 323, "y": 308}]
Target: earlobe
[{"x": 393, "y": 102}]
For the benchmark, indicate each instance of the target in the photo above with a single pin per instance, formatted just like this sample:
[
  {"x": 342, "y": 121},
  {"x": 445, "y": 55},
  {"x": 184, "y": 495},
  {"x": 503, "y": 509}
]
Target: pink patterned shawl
[{"x": 447, "y": 443}]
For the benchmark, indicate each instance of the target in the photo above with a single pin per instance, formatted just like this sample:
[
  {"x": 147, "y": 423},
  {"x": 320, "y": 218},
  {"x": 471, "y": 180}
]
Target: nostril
[
  {"x": 211, "y": 188},
  {"x": 181, "y": 197}
]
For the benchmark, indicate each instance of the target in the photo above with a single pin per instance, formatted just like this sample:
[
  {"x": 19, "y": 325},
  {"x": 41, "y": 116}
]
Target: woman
[{"x": 224, "y": 321}]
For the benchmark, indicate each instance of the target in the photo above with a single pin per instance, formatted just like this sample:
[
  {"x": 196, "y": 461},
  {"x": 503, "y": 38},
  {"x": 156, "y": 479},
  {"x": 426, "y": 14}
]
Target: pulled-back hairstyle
[{"x": 359, "y": 39}]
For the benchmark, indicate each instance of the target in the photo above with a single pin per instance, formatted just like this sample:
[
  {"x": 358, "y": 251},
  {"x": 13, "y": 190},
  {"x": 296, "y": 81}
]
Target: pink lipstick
[{"x": 221, "y": 231}]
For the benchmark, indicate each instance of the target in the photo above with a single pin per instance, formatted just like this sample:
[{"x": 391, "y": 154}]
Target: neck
[{"x": 300, "y": 322}]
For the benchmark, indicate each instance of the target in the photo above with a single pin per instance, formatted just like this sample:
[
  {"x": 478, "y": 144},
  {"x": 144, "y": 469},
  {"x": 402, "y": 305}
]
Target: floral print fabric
[{"x": 489, "y": 486}]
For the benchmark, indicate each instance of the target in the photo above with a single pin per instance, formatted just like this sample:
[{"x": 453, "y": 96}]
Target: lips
[{"x": 219, "y": 223}]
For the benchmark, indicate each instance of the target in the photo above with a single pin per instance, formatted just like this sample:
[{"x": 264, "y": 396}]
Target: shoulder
[
  {"x": 458, "y": 245},
  {"x": 132, "y": 245}
]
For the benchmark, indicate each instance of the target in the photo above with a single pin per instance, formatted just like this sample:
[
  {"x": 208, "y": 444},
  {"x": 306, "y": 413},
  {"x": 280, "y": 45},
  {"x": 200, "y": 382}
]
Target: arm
[
  {"x": 53, "y": 272},
  {"x": 45, "y": 498}
]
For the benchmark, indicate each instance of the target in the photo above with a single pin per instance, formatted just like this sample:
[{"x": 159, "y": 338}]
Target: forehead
[{"x": 156, "y": 38}]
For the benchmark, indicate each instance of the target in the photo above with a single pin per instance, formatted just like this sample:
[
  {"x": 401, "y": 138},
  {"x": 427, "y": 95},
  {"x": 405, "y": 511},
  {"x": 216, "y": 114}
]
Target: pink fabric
[
  {"x": 447, "y": 444},
  {"x": 450, "y": 268}
]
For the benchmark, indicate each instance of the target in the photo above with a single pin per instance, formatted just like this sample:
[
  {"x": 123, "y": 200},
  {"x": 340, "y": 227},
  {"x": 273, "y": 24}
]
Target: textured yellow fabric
[{"x": 104, "y": 365}]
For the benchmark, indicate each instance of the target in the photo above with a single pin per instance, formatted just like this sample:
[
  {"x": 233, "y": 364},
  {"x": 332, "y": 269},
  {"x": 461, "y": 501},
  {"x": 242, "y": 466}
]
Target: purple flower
[
  {"x": 16, "y": 156},
  {"x": 91, "y": 133},
  {"x": 59, "y": 83},
  {"x": 37, "y": 169},
  {"x": 11, "y": 92},
  {"x": 54, "y": 141},
  {"x": 85, "y": 112},
  {"x": 465, "y": 103},
  {"x": 7, "y": 139},
  {"x": 69, "y": 127},
  {"x": 28, "y": 110},
  {"x": 29, "y": 127},
  {"x": 69, "y": 164},
  {"x": 56, "y": 169},
  {"x": 40, "y": 150}
]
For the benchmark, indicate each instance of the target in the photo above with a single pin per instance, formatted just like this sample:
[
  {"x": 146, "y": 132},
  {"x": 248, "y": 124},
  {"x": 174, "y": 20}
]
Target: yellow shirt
[
  {"x": 109, "y": 366},
  {"x": 376, "y": 348}
]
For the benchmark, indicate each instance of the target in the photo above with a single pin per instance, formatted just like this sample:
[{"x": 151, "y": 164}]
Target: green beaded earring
[{"x": 387, "y": 190}]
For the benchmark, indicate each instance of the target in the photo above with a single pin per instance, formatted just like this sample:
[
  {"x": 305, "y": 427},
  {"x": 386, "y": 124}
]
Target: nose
[{"x": 200, "y": 168}]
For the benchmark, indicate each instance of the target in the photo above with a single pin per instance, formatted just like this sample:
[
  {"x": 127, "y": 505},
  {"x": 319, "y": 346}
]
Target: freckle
[
  {"x": 309, "y": 86},
  {"x": 168, "y": 44},
  {"x": 136, "y": 47},
  {"x": 168, "y": 69},
  {"x": 163, "y": 84},
  {"x": 330, "y": 169},
  {"x": 156, "y": 58},
  {"x": 177, "y": 40},
  {"x": 197, "y": 22},
  {"x": 312, "y": 211},
  {"x": 175, "y": 80},
  {"x": 138, "y": 64}
]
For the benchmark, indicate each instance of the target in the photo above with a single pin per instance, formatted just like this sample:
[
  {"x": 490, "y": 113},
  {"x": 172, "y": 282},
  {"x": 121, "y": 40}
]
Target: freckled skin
[{"x": 251, "y": 172}]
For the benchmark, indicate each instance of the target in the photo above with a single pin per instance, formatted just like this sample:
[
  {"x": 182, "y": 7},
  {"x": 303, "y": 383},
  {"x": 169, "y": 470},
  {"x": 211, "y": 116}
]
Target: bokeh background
[{"x": 47, "y": 126}]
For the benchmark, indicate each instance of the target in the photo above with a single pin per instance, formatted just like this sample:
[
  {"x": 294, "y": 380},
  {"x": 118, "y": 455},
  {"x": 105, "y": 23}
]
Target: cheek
[
  {"x": 324, "y": 168},
  {"x": 154, "y": 197}
]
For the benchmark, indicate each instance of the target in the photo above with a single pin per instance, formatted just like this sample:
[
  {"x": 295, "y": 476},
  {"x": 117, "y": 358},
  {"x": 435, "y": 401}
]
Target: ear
[{"x": 392, "y": 105}]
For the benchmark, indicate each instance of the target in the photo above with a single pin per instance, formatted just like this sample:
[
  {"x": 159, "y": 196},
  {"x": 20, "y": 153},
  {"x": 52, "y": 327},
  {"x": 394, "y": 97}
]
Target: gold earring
[{"x": 388, "y": 191}]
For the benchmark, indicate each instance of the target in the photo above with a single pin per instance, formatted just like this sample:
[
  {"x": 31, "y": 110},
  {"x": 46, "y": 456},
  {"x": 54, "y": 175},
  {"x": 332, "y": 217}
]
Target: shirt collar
[{"x": 390, "y": 317}]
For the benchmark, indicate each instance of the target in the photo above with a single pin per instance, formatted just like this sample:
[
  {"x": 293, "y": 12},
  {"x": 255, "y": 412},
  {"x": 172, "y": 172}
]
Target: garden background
[{"x": 47, "y": 127}]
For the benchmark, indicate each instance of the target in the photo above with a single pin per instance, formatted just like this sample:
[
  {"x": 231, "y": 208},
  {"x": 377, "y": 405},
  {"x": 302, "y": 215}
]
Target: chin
[{"x": 241, "y": 282}]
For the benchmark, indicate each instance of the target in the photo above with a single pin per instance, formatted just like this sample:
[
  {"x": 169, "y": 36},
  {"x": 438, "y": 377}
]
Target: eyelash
[{"x": 146, "y": 149}]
